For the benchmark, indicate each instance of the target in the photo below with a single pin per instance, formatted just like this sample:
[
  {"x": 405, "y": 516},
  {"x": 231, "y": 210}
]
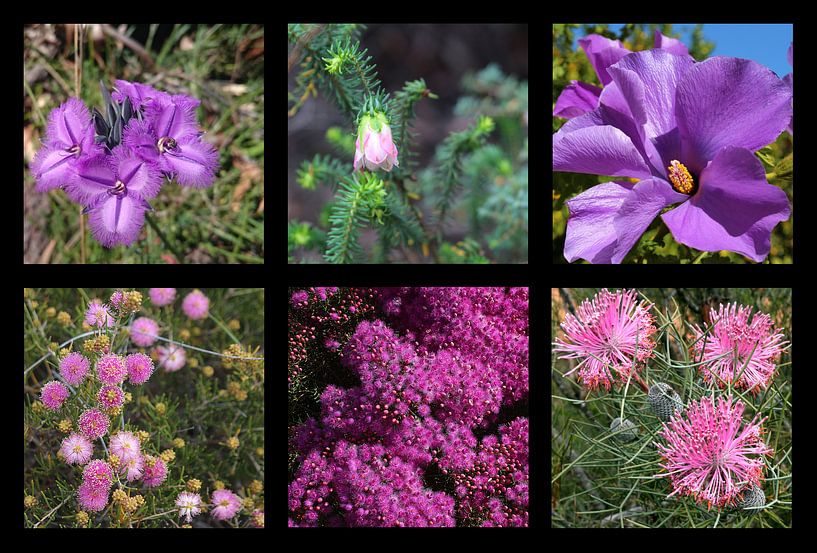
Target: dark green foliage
[
  {"x": 360, "y": 199},
  {"x": 323, "y": 170}
]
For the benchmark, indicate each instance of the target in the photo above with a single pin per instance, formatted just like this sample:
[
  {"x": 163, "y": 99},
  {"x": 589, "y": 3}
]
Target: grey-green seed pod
[
  {"x": 627, "y": 430},
  {"x": 664, "y": 400},
  {"x": 753, "y": 497}
]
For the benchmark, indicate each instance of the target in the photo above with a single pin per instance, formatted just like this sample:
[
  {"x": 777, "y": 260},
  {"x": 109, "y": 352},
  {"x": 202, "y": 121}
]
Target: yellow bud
[
  {"x": 248, "y": 503},
  {"x": 207, "y": 371},
  {"x": 38, "y": 407},
  {"x": 143, "y": 436},
  {"x": 63, "y": 318},
  {"x": 114, "y": 461},
  {"x": 193, "y": 362},
  {"x": 128, "y": 397},
  {"x": 186, "y": 526},
  {"x": 178, "y": 443},
  {"x": 259, "y": 451},
  {"x": 35, "y": 304},
  {"x": 86, "y": 327},
  {"x": 82, "y": 518},
  {"x": 65, "y": 426},
  {"x": 233, "y": 443},
  {"x": 184, "y": 335},
  {"x": 29, "y": 501},
  {"x": 53, "y": 346},
  {"x": 50, "y": 312},
  {"x": 218, "y": 485},
  {"x": 161, "y": 408},
  {"x": 194, "y": 484},
  {"x": 256, "y": 487},
  {"x": 196, "y": 331},
  {"x": 234, "y": 324},
  {"x": 167, "y": 455}
]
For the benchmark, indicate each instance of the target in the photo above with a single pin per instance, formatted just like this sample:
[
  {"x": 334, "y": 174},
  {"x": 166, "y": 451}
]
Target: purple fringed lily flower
[
  {"x": 578, "y": 98},
  {"x": 69, "y": 141},
  {"x": 141, "y": 95},
  {"x": 115, "y": 190},
  {"x": 687, "y": 131}
]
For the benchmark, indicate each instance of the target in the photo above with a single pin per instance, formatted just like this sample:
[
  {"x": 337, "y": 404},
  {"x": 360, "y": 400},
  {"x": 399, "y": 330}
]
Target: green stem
[{"x": 164, "y": 239}]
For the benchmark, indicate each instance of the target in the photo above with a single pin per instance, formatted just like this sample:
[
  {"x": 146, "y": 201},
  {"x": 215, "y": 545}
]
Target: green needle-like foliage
[{"x": 360, "y": 199}]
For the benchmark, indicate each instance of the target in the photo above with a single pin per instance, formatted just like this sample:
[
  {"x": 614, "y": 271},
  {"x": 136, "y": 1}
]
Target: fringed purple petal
[
  {"x": 194, "y": 162},
  {"x": 52, "y": 168},
  {"x": 117, "y": 220}
]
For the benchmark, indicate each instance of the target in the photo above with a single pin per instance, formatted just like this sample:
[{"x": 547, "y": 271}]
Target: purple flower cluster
[
  {"x": 401, "y": 448},
  {"x": 114, "y": 164}
]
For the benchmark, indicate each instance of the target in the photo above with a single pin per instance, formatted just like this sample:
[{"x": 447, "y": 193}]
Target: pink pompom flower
[
  {"x": 225, "y": 504},
  {"x": 162, "y": 296},
  {"x": 54, "y": 394},
  {"x": 76, "y": 449},
  {"x": 196, "y": 305},
  {"x": 189, "y": 505},
  {"x": 707, "y": 455},
  {"x": 92, "y": 498},
  {"x": 110, "y": 397},
  {"x": 98, "y": 474},
  {"x": 610, "y": 331},
  {"x": 98, "y": 315},
  {"x": 733, "y": 343},
  {"x": 74, "y": 367},
  {"x": 171, "y": 358},
  {"x": 140, "y": 367},
  {"x": 94, "y": 423},
  {"x": 134, "y": 467},
  {"x": 155, "y": 471},
  {"x": 143, "y": 332},
  {"x": 117, "y": 299},
  {"x": 111, "y": 369},
  {"x": 125, "y": 446},
  {"x": 374, "y": 147}
]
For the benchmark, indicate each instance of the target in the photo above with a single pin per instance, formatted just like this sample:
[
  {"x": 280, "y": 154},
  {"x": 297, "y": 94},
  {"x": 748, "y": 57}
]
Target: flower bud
[
  {"x": 664, "y": 400},
  {"x": 626, "y": 430},
  {"x": 374, "y": 148},
  {"x": 753, "y": 497}
]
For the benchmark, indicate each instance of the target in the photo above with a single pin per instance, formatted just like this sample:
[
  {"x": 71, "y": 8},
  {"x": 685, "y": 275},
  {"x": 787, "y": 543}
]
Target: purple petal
[
  {"x": 576, "y": 99},
  {"x": 67, "y": 124},
  {"x": 671, "y": 45},
  {"x": 52, "y": 167},
  {"x": 602, "y": 53},
  {"x": 729, "y": 102},
  {"x": 140, "y": 94},
  {"x": 607, "y": 220},
  {"x": 734, "y": 209},
  {"x": 141, "y": 178},
  {"x": 194, "y": 161},
  {"x": 176, "y": 119},
  {"x": 789, "y": 80},
  {"x": 117, "y": 220},
  {"x": 600, "y": 150},
  {"x": 94, "y": 177},
  {"x": 141, "y": 139}
]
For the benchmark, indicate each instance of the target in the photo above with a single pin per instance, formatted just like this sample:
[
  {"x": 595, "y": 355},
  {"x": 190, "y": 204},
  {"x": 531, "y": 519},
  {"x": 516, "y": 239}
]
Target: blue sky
[{"x": 766, "y": 44}]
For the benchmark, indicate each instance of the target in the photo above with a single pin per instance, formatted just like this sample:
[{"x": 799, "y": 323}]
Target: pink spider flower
[
  {"x": 76, "y": 449},
  {"x": 189, "y": 505},
  {"x": 143, "y": 331},
  {"x": 708, "y": 456},
  {"x": 98, "y": 315},
  {"x": 54, "y": 394},
  {"x": 611, "y": 335},
  {"x": 734, "y": 343},
  {"x": 98, "y": 474},
  {"x": 155, "y": 471},
  {"x": 92, "y": 498}
]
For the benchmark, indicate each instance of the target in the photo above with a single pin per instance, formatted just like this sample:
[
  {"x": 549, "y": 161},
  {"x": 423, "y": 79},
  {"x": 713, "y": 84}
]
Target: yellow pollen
[{"x": 680, "y": 177}]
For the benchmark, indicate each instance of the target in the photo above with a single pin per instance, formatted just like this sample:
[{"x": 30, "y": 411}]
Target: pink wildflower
[
  {"x": 125, "y": 446},
  {"x": 110, "y": 397},
  {"x": 610, "y": 332},
  {"x": 196, "y": 305},
  {"x": 708, "y": 456},
  {"x": 117, "y": 299},
  {"x": 155, "y": 471},
  {"x": 76, "y": 449},
  {"x": 98, "y": 474},
  {"x": 140, "y": 367},
  {"x": 171, "y": 358},
  {"x": 162, "y": 296},
  {"x": 74, "y": 367},
  {"x": 189, "y": 505},
  {"x": 92, "y": 498},
  {"x": 143, "y": 331},
  {"x": 97, "y": 315},
  {"x": 226, "y": 504},
  {"x": 93, "y": 423},
  {"x": 54, "y": 394},
  {"x": 374, "y": 147},
  {"x": 111, "y": 369},
  {"x": 134, "y": 467},
  {"x": 733, "y": 343}
]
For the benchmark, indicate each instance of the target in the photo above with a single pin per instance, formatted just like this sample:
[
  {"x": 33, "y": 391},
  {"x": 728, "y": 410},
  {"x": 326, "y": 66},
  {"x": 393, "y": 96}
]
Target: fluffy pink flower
[
  {"x": 117, "y": 299},
  {"x": 143, "y": 331},
  {"x": 155, "y": 471},
  {"x": 162, "y": 296},
  {"x": 125, "y": 446},
  {"x": 189, "y": 505},
  {"x": 76, "y": 449},
  {"x": 140, "y": 367},
  {"x": 225, "y": 504},
  {"x": 374, "y": 147},
  {"x": 171, "y": 358},
  {"x": 98, "y": 474},
  {"x": 111, "y": 369},
  {"x": 54, "y": 394},
  {"x": 74, "y": 367},
  {"x": 93, "y": 423},
  {"x": 98, "y": 315},
  {"x": 733, "y": 342},
  {"x": 708, "y": 456},
  {"x": 608, "y": 333},
  {"x": 134, "y": 468},
  {"x": 110, "y": 397},
  {"x": 196, "y": 305},
  {"x": 92, "y": 498}
]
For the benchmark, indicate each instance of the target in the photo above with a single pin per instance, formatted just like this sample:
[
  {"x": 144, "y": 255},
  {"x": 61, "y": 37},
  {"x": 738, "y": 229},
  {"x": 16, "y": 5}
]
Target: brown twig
[{"x": 138, "y": 49}]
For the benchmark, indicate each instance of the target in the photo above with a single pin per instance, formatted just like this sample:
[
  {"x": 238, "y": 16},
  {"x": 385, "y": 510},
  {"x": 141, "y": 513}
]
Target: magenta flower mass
[
  {"x": 140, "y": 368},
  {"x": 111, "y": 369},
  {"x": 76, "y": 449},
  {"x": 431, "y": 426},
  {"x": 74, "y": 367},
  {"x": 94, "y": 423},
  {"x": 54, "y": 394}
]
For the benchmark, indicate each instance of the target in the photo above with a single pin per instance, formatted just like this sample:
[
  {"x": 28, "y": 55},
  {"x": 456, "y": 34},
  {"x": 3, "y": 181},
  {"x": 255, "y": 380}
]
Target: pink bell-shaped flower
[{"x": 374, "y": 148}]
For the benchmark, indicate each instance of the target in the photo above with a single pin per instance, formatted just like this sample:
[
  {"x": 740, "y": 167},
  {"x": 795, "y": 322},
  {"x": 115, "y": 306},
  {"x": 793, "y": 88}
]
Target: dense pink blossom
[
  {"x": 139, "y": 367},
  {"x": 92, "y": 498},
  {"x": 98, "y": 315},
  {"x": 155, "y": 471},
  {"x": 110, "y": 397},
  {"x": 125, "y": 446},
  {"x": 134, "y": 467},
  {"x": 111, "y": 369},
  {"x": 54, "y": 394},
  {"x": 162, "y": 296},
  {"x": 710, "y": 454},
  {"x": 611, "y": 336},
  {"x": 117, "y": 299},
  {"x": 225, "y": 504},
  {"x": 143, "y": 332},
  {"x": 94, "y": 423},
  {"x": 189, "y": 505},
  {"x": 739, "y": 352},
  {"x": 196, "y": 305},
  {"x": 98, "y": 474},
  {"x": 171, "y": 358},
  {"x": 76, "y": 449},
  {"x": 74, "y": 367}
]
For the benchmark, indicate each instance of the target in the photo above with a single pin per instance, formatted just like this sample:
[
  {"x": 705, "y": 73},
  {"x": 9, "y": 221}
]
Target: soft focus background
[
  {"x": 598, "y": 482},
  {"x": 767, "y": 46},
  {"x": 223, "y": 66}
]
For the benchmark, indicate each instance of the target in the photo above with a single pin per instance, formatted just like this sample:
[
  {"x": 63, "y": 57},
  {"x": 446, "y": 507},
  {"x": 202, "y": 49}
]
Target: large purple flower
[
  {"x": 687, "y": 131},
  {"x": 578, "y": 98},
  {"x": 69, "y": 141}
]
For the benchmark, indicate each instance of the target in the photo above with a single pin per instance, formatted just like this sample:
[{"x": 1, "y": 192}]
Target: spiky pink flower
[
  {"x": 98, "y": 474},
  {"x": 708, "y": 456},
  {"x": 111, "y": 369},
  {"x": 134, "y": 467},
  {"x": 54, "y": 394},
  {"x": 612, "y": 337},
  {"x": 92, "y": 498},
  {"x": 94, "y": 423},
  {"x": 225, "y": 504},
  {"x": 97, "y": 315},
  {"x": 76, "y": 449},
  {"x": 140, "y": 367},
  {"x": 196, "y": 305},
  {"x": 162, "y": 296},
  {"x": 171, "y": 358},
  {"x": 117, "y": 299},
  {"x": 125, "y": 446},
  {"x": 74, "y": 367},
  {"x": 189, "y": 505},
  {"x": 110, "y": 397},
  {"x": 143, "y": 332},
  {"x": 155, "y": 471},
  {"x": 733, "y": 343}
]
